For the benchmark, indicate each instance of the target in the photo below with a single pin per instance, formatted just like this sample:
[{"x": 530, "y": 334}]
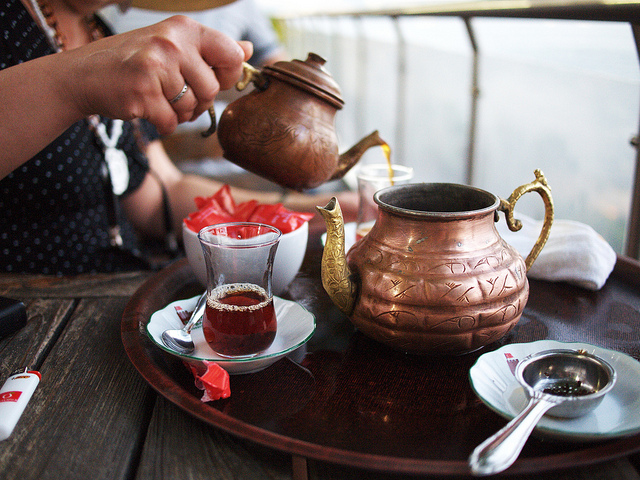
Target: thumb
[{"x": 247, "y": 47}]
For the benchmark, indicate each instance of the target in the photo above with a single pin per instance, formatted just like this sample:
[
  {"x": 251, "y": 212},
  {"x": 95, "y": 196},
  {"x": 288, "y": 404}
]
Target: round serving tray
[{"x": 348, "y": 400}]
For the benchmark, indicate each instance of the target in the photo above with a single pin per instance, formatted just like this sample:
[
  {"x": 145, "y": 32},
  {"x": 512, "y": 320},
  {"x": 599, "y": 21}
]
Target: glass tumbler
[
  {"x": 239, "y": 319},
  {"x": 372, "y": 178}
]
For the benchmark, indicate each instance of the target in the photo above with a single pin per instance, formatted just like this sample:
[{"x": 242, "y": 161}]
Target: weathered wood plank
[
  {"x": 90, "y": 285},
  {"x": 29, "y": 346},
  {"x": 180, "y": 446},
  {"x": 88, "y": 417}
]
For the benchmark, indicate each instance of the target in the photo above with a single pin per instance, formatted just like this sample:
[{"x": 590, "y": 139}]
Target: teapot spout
[
  {"x": 337, "y": 279},
  {"x": 349, "y": 158}
]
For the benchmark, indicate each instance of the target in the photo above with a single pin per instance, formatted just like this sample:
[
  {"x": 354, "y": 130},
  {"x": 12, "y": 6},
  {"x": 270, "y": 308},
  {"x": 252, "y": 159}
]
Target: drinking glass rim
[
  {"x": 271, "y": 229},
  {"x": 403, "y": 172}
]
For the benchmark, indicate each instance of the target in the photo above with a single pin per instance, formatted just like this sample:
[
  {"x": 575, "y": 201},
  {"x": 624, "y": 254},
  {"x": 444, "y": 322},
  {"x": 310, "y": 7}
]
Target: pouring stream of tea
[
  {"x": 363, "y": 229},
  {"x": 387, "y": 153}
]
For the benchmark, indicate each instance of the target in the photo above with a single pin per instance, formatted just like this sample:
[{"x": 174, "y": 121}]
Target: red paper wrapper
[
  {"x": 214, "y": 381},
  {"x": 221, "y": 208}
]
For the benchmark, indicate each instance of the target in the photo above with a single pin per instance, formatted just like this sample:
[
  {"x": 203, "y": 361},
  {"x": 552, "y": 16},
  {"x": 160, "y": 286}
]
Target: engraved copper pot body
[
  {"x": 433, "y": 275},
  {"x": 283, "y": 130}
]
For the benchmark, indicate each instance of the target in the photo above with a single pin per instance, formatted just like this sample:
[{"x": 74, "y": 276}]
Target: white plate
[
  {"x": 617, "y": 416},
  {"x": 295, "y": 327}
]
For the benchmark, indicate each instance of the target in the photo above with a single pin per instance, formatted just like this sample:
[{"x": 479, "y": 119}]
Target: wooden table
[{"x": 93, "y": 415}]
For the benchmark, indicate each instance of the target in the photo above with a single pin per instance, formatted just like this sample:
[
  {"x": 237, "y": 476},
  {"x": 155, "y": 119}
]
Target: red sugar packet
[
  {"x": 214, "y": 381},
  {"x": 221, "y": 207}
]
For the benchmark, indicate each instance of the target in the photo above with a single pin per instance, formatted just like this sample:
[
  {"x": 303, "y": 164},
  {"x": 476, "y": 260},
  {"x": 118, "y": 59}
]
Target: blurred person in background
[{"x": 84, "y": 179}]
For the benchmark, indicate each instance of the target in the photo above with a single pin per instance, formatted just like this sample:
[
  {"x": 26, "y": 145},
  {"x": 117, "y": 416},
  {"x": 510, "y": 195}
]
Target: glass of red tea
[{"x": 239, "y": 319}]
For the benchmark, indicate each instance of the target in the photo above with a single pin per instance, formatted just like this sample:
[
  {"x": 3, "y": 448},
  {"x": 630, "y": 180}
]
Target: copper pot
[
  {"x": 284, "y": 129},
  {"x": 433, "y": 275}
]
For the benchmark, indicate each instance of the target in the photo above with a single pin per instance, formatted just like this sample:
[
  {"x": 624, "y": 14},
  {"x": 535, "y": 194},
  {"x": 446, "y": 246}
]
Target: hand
[{"x": 136, "y": 74}]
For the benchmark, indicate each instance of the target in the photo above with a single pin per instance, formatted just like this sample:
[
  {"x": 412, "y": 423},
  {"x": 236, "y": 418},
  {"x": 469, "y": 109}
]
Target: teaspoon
[
  {"x": 498, "y": 452},
  {"x": 180, "y": 339}
]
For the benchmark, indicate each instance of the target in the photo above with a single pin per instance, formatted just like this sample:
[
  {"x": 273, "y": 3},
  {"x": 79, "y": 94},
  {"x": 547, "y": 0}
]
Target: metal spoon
[
  {"x": 180, "y": 340},
  {"x": 499, "y": 451}
]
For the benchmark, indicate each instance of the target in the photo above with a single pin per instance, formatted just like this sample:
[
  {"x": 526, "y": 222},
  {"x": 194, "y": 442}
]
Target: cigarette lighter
[{"x": 14, "y": 396}]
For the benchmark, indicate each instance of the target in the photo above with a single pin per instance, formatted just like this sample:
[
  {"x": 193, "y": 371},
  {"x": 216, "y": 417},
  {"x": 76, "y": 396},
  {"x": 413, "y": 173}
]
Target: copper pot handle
[
  {"x": 249, "y": 74},
  {"x": 541, "y": 186}
]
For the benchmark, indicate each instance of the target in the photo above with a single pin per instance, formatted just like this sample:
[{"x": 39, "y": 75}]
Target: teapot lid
[{"x": 310, "y": 76}]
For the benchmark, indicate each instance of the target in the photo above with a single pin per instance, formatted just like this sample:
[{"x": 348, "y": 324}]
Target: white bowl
[{"x": 289, "y": 256}]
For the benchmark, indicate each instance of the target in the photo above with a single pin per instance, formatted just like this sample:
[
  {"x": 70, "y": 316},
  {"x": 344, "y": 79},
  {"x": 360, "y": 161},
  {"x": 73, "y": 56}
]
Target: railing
[{"x": 607, "y": 11}]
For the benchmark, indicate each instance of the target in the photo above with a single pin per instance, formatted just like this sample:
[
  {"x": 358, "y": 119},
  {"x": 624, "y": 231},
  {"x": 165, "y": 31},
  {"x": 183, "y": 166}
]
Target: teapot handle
[
  {"x": 249, "y": 74},
  {"x": 541, "y": 186},
  {"x": 214, "y": 122}
]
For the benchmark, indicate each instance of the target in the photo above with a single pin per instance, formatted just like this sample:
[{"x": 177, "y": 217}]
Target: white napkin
[{"x": 575, "y": 253}]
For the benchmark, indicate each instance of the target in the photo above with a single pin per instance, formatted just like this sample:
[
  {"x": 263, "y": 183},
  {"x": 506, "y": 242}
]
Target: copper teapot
[
  {"x": 433, "y": 275},
  {"x": 284, "y": 129}
]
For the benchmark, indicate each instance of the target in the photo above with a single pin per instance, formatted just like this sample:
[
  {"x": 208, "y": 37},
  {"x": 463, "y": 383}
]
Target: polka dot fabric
[{"x": 54, "y": 210}]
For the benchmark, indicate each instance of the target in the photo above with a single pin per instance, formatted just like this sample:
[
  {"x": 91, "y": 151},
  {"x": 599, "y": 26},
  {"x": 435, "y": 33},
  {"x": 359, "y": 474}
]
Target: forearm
[
  {"x": 125, "y": 76},
  {"x": 144, "y": 206},
  {"x": 35, "y": 109},
  {"x": 191, "y": 186}
]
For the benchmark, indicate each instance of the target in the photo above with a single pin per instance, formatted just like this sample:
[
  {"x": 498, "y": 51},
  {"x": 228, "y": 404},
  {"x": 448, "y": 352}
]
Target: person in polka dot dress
[{"x": 83, "y": 174}]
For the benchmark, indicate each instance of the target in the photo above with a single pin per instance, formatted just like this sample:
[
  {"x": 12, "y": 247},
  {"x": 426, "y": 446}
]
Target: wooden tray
[{"x": 354, "y": 402}]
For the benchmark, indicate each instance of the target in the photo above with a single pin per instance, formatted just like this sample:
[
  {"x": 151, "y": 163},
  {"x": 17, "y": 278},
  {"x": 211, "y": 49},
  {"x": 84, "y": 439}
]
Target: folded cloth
[{"x": 574, "y": 253}]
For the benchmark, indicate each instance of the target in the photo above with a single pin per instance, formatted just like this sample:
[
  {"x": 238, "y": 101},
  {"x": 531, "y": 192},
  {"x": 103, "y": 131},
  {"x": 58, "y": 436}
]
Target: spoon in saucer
[{"x": 180, "y": 339}]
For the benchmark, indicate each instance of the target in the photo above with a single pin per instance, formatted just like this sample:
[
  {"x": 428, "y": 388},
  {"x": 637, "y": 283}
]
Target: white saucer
[
  {"x": 617, "y": 416},
  {"x": 295, "y": 327}
]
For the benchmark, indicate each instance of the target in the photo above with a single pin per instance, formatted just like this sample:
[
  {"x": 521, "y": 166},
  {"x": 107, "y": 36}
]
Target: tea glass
[
  {"x": 371, "y": 178},
  {"x": 239, "y": 319}
]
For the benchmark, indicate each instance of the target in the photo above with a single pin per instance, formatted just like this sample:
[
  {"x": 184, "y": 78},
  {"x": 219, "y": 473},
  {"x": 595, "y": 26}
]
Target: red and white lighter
[{"x": 14, "y": 396}]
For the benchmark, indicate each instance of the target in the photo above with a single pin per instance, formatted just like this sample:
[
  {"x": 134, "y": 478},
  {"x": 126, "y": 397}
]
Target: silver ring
[{"x": 179, "y": 96}]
